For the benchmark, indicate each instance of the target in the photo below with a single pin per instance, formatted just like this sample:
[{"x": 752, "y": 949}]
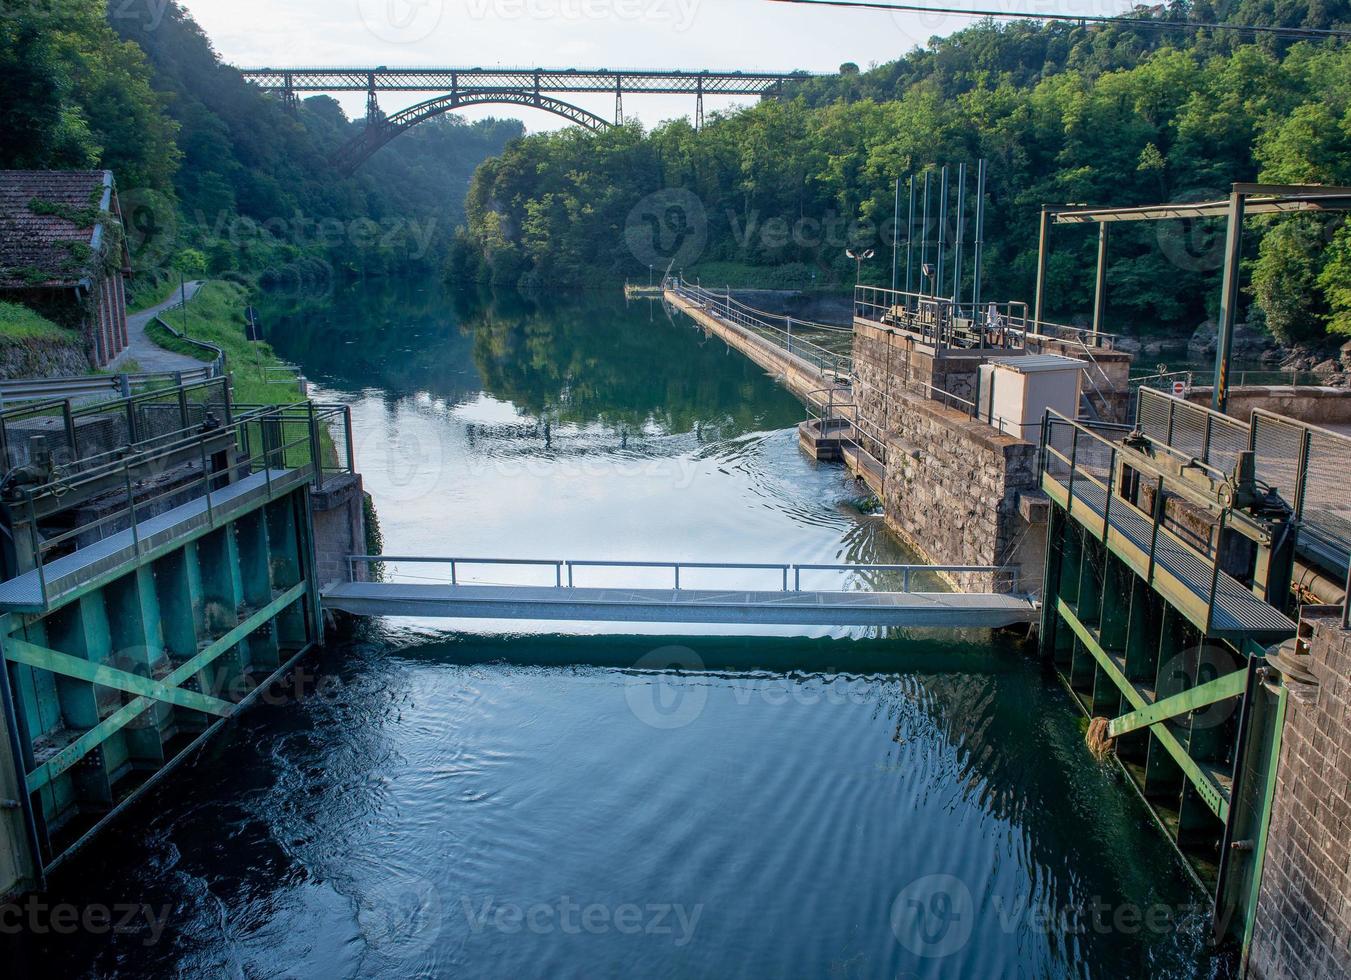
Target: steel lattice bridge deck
[
  {"x": 788, "y": 605},
  {"x": 605, "y": 81},
  {"x": 533, "y": 87}
]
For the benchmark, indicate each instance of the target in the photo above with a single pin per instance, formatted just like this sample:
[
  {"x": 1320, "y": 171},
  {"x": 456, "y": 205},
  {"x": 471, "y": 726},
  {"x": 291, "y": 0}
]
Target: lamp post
[{"x": 859, "y": 256}]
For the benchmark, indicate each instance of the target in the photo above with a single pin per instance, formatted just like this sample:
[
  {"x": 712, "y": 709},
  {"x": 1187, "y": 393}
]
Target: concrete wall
[
  {"x": 1303, "y": 921},
  {"x": 1317, "y": 406},
  {"x": 339, "y": 528}
]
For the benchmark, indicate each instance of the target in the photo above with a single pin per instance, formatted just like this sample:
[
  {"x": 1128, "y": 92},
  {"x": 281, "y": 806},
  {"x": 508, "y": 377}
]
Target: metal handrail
[
  {"x": 136, "y": 468},
  {"x": 1210, "y": 556},
  {"x": 83, "y": 386},
  {"x": 722, "y": 306},
  {"x": 564, "y": 568},
  {"x": 217, "y": 364}
]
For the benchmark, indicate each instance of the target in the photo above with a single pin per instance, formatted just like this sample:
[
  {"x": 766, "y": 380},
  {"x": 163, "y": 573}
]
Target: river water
[{"x": 521, "y": 802}]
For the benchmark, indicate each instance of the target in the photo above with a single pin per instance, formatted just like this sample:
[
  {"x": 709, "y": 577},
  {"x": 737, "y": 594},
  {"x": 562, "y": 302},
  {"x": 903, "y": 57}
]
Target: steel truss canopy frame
[
  {"x": 1244, "y": 200},
  {"x": 599, "y": 80},
  {"x": 1261, "y": 199}
]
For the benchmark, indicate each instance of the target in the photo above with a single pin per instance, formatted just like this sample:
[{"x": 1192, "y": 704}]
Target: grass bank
[
  {"x": 216, "y": 315},
  {"x": 31, "y": 346},
  {"x": 19, "y": 323}
]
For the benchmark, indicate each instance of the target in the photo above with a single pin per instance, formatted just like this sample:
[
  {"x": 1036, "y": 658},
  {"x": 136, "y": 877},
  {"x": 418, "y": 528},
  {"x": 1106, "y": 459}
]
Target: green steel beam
[
  {"x": 23, "y": 652},
  {"x": 1208, "y": 789},
  {"x": 129, "y": 712},
  {"x": 1264, "y": 824},
  {"x": 1229, "y": 686}
]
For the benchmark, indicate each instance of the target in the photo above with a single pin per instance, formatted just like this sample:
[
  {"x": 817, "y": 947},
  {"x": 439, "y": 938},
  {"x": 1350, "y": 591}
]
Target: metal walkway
[
  {"x": 33, "y": 591},
  {"x": 1236, "y": 611},
  {"x": 788, "y": 605},
  {"x": 681, "y": 605}
]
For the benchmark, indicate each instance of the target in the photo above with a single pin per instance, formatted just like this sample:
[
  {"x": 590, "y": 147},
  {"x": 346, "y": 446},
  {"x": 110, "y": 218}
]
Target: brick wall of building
[{"x": 1302, "y": 927}]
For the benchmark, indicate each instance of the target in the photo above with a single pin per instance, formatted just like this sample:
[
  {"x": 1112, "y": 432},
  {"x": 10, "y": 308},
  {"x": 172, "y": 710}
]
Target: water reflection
[{"x": 581, "y": 359}]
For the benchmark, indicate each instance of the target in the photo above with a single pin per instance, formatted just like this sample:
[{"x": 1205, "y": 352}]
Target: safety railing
[
  {"x": 855, "y": 429},
  {"x": 266, "y": 441},
  {"x": 997, "y": 326},
  {"x": 97, "y": 386},
  {"x": 1084, "y": 462},
  {"x": 777, "y": 329},
  {"x": 216, "y": 366},
  {"x": 71, "y": 435},
  {"x": 1208, "y": 436},
  {"x": 1307, "y": 465},
  {"x": 787, "y": 575}
]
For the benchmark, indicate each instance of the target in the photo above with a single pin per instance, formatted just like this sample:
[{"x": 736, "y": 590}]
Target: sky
[{"x": 656, "y": 34}]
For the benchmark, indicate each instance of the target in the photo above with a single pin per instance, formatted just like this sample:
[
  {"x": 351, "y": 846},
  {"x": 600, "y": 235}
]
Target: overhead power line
[{"x": 1149, "y": 23}]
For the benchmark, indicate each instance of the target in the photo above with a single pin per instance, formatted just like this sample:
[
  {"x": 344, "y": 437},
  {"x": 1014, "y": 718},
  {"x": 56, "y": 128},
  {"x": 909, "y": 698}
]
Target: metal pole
[
  {"x": 980, "y": 236},
  {"x": 924, "y": 234},
  {"x": 957, "y": 247},
  {"x": 315, "y": 451},
  {"x": 1043, "y": 245},
  {"x": 131, "y": 508},
  {"x": 1100, "y": 288},
  {"x": 1346, "y": 600},
  {"x": 895, "y": 234},
  {"x": 910, "y": 236},
  {"x": 1233, "y": 248},
  {"x": 942, "y": 228},
  {"x": 10, "y": 711}
]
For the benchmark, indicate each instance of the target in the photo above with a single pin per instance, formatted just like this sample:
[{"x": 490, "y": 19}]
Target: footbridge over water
[
  {"x": 534, "y": 87},
  {"x": 618, "y": 591}
]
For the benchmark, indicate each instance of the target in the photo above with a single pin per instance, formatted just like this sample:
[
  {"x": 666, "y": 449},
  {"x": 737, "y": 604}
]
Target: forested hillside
[
  {"x": 773, "y": 194},
  {"x": 208, "y": 164}
]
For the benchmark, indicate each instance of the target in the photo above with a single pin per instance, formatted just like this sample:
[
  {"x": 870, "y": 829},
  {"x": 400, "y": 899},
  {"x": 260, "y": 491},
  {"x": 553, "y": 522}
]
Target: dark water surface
[{"x": 511, "y": 802}]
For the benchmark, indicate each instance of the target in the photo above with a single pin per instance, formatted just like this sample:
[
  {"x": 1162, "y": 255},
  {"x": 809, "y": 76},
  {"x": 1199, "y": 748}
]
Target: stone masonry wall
[
  {"x": 952, "y": 490},
  {"x": 952, "y": 483},
  {"x": 1303, "y": 919},
  {"x": 339, "y": 528}
]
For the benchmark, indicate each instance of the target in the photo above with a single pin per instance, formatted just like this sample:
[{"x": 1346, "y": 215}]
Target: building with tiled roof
[{"x": 63, "y": 253}]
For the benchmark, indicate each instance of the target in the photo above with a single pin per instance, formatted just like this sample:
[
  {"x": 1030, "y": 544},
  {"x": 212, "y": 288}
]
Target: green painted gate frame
[
  {"x": 1205, "y": 789},
  {"x": 170, "y": 689},
  {"x": 1229, "y": 686},
  {"x": 147, "y": 692}
]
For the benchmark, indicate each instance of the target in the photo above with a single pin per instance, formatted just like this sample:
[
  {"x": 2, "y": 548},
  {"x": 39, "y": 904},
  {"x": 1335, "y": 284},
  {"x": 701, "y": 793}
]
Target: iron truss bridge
[{"x": 534, "y": 87}]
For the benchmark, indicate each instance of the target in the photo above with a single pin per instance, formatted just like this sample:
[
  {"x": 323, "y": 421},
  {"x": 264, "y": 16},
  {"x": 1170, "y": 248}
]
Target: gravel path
[{"x": 142, "y": 349}]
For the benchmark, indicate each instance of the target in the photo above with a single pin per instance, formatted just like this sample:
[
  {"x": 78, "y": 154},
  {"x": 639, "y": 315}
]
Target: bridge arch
[{"x": 382, "y": 129}]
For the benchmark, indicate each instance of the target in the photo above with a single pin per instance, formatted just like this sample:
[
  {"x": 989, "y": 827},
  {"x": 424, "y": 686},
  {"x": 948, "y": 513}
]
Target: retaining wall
[
  {"x": 1317, "y": 406},
  {"x": 954, "y": 487}
]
